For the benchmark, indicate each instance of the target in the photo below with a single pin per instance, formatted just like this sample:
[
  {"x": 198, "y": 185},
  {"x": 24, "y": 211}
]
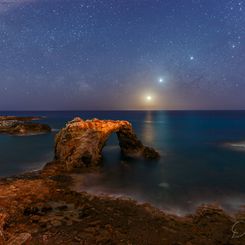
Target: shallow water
[{"x": 196, "y": 165}]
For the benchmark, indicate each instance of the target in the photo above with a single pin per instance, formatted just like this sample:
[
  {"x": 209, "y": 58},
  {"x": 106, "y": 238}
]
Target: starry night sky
[{"x": 122, "y": 54}]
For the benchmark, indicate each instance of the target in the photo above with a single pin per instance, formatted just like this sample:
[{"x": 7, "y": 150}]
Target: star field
[{"x": 109, "y": 54}]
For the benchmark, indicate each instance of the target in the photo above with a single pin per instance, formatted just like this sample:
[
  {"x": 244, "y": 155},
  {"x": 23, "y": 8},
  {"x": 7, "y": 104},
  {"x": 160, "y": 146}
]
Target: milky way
[{"x": 76, "y": 55}]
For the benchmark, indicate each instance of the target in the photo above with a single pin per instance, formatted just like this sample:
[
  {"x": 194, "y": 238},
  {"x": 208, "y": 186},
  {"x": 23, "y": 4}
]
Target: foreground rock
[
  {"x": 80, "y": 143},
  {"x": 41, "y": 209},
  {"x": 22, "y": 126}
]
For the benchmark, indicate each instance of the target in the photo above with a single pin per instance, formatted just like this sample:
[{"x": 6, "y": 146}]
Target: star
[{"x": 191, "y": 57}]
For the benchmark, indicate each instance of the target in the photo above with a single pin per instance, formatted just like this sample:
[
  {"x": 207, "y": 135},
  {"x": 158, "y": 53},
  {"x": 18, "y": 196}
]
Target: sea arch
[{"x": 80, "y": 143}]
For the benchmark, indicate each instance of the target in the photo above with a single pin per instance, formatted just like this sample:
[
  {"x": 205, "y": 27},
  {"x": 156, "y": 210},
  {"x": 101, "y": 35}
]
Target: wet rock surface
[
  {"x": 80, "y": 143},
  {"x": 43, "y": 209},
  {"x": 22, "y": 126}
]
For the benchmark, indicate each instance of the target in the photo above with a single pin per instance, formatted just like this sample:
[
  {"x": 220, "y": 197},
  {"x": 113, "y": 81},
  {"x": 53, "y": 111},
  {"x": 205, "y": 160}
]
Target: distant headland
[{"x": 22, "y": 126}]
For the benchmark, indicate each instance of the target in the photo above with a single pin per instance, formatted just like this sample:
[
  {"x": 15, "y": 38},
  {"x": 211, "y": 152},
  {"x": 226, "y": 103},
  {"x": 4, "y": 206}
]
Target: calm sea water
[{"x": 196, "y": 166}]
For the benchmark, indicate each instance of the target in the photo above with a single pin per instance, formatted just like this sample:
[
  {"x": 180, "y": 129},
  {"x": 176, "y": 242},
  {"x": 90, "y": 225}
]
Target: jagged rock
[
  {"x": 30, "y": 211},
  {"x": 103, "y": 219},
  {"x": 20, "y": 239},
  {"x": 80, "y": 143},
  {"x": 3, "y": 217},
  {"x": 21, "y": 126}
]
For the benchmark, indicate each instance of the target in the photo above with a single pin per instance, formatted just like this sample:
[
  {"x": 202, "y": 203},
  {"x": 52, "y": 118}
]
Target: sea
[{"x": 202, "y": 157}]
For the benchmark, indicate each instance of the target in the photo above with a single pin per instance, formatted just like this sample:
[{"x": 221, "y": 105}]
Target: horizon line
[{"x": 97, "y": 110}]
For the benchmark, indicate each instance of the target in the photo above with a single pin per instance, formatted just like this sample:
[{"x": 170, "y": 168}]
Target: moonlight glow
[{"x": 148, "y": 97}]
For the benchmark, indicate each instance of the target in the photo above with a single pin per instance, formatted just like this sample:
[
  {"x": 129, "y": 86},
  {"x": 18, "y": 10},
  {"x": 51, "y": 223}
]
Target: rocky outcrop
[
  {"x": 80, "y": 143},
  {"x": 16, "y": 118},
  {"x": 45, "y": 210},
  {"x": 21, "y": 126},
  {"x": 2, "y": 223}
]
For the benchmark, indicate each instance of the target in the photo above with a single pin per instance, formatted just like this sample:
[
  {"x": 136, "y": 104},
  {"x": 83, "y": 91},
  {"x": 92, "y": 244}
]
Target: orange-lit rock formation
[{"x": 80, "y": 143}]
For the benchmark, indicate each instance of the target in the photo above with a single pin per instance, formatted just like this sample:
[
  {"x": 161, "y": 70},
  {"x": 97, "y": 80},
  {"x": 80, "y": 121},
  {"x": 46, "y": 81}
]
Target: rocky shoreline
[
  {"x": 22, "y": 126},
  {"x": 42, "y": 208}
]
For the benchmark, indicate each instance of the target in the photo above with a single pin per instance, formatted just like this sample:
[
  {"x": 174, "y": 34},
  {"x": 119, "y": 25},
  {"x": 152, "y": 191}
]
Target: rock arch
[{"x": 80, "y": 143}]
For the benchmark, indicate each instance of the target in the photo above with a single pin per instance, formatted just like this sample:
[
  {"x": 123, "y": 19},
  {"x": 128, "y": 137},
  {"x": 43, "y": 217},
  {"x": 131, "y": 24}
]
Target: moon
[{"x": 148, "y": 97}]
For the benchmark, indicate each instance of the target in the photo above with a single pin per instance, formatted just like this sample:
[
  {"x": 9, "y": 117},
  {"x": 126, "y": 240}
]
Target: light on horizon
[{"x": 148, "y": 97}]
